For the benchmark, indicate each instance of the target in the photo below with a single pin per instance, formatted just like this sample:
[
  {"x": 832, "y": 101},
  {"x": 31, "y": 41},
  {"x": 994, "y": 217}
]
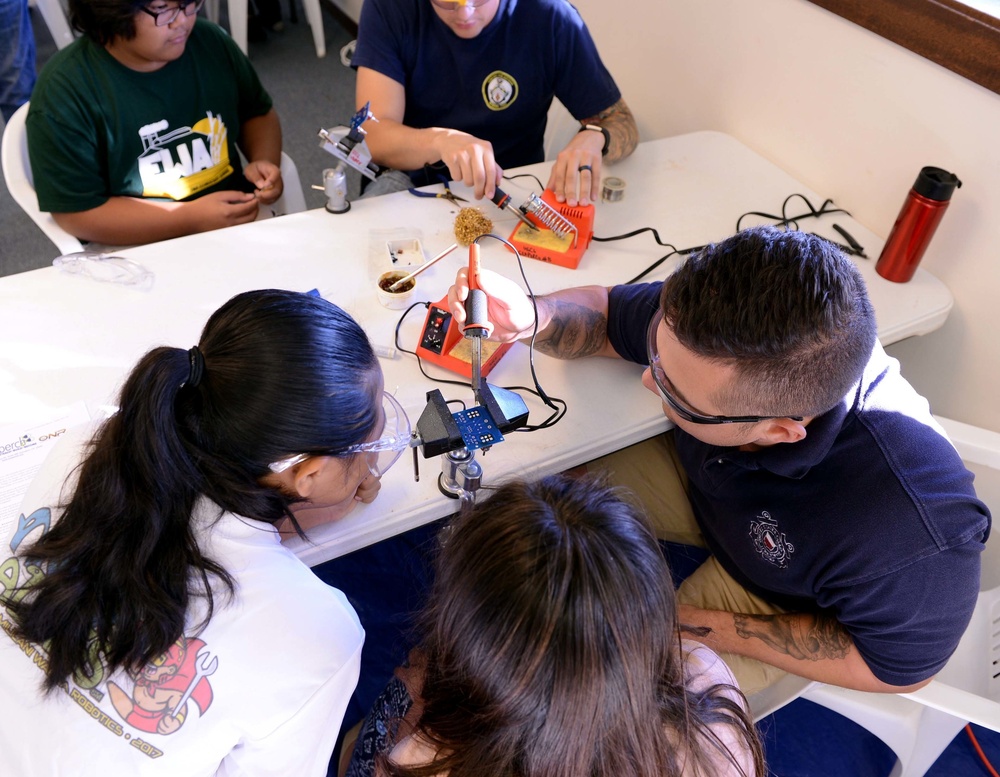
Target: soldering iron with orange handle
[{"x": 477, "y": 323}]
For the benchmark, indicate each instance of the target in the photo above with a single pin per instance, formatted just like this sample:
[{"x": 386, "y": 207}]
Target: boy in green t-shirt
[{"x": 134, "y": 130}]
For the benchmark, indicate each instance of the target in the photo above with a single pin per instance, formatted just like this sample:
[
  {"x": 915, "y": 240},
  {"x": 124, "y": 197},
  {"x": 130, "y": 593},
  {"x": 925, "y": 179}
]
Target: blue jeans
[{"x": 17, "y": 56}]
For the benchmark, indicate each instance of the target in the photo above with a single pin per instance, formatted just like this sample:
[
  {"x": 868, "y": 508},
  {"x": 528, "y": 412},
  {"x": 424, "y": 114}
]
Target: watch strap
[{"x": 603, "y": 131}]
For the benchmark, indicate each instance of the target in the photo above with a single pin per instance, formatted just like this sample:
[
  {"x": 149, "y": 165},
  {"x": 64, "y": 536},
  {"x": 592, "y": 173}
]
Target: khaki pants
[{"x": 651, "y": 470}]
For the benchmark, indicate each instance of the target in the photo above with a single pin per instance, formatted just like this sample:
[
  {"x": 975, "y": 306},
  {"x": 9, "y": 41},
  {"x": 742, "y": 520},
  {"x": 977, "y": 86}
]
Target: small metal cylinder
[
  {"x": 461, "y": 475},
  {"x": 613, "y": 189},
  {"x": 335, "y": 187}
]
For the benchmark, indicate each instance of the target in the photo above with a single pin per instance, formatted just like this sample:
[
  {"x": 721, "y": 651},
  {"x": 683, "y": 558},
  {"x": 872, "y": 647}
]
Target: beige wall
[{"x": 854, "y": 117}]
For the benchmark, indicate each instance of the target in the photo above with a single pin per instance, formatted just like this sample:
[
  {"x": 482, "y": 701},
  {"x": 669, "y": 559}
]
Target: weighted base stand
[{"x": 461, "y": 475}]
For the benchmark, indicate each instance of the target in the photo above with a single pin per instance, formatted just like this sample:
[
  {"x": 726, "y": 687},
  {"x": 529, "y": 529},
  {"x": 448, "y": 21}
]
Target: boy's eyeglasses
[
  {"x": 165, "y": 16},
  {"x": 381, "y": 453},
  {"x": 685, "y": 413}
]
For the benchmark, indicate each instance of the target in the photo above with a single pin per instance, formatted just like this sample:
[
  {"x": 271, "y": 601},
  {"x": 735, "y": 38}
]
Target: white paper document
[{"x": 23, "y": 448}]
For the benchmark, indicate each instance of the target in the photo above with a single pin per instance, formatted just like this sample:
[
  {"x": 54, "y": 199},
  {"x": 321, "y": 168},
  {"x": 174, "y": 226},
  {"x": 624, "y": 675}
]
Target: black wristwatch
[{"x": 597, "y": 128}]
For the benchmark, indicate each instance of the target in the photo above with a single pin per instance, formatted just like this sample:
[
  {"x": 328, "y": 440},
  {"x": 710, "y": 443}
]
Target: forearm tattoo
[
  {"x": 574, "y": 330},
  {"x": 620, "y": 124},
  {"x": 805, "y": 637}
]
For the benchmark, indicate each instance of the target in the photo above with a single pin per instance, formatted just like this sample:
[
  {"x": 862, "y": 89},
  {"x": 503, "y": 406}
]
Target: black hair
[
  {"x": 104, "y": 20},
  {"x": 787, "y": 310},
  {"x": 281, "y": 373}
]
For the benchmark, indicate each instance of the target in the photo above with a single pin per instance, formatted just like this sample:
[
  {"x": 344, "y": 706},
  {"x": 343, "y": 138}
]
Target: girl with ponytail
[{"x": 154, "y": 622}]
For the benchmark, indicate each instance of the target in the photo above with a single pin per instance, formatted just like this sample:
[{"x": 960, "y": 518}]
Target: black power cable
[{"x": 557, "y": 404}]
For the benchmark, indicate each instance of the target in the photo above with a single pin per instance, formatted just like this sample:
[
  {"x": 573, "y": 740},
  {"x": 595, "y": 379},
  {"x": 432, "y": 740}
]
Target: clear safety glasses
[
  {"x": 664, "y": 387},
  {"x": 105, "y": 268},
  {"x": 381, "y": 454}
]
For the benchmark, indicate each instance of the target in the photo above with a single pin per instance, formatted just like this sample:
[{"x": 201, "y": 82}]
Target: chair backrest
[
  {"x": 55, "y": 19},
  {"x": 17, "y": 175},
  {"x": 237, "y": 11},
  {"x": 292, "y": 199}
]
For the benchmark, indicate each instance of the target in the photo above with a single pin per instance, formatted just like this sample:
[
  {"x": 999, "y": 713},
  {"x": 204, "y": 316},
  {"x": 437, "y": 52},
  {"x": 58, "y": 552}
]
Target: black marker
[{"x": 858, "y": 248}]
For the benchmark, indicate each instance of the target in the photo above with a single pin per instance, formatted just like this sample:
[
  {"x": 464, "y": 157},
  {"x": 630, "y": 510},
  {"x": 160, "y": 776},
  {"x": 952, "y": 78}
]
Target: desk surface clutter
[{"x": 67, "y": 339}]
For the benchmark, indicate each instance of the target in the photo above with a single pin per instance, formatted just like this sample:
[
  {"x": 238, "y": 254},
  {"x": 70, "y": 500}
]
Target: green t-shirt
[{"x": 97, "y": 129}]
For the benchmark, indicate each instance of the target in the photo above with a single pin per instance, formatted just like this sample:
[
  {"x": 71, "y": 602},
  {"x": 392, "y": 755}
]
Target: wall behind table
[{"x": 854, "y": 117}]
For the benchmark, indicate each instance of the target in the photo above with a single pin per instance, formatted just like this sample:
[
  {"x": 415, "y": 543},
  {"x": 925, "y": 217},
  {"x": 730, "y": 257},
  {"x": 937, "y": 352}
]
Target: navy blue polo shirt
[
  {"x": 872, "y": 517},
  {"x": 497, "y": 86}
]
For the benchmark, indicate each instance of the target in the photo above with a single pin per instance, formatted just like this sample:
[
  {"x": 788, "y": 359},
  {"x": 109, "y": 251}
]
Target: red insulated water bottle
[{"x": 915, "y": 225}]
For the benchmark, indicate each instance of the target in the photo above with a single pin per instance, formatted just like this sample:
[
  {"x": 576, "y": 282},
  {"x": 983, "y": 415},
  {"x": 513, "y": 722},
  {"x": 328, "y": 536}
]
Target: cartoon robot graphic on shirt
[
  {"x": 159, "y": 700},
  {"x": 177, "y": 163}
]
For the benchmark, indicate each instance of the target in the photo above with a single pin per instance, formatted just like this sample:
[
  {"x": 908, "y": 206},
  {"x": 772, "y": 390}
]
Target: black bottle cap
[{"x": 936, "y": 184}]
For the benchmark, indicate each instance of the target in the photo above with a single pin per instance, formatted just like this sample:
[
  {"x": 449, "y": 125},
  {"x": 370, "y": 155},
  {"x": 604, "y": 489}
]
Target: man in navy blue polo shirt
[
  {"x": 465, "y": 86},
  {"x": 844, "y": 531}
]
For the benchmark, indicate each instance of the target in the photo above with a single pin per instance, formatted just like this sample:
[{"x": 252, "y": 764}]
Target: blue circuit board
[{"x": 477, "y": 428}]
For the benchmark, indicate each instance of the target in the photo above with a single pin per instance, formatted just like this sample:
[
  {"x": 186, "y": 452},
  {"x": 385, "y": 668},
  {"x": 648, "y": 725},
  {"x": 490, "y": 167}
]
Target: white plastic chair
[
  {"x": 17, "y": 175},
  {"x": 919, "y": 726},
  {"x": 55, "y": 19},
  {"x": 292, "y": 199},
  {"x": 238, "y": 22}
]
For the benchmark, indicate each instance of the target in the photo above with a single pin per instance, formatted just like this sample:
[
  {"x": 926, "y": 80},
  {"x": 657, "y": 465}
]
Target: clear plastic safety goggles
[{"x": 381, "y": 453}]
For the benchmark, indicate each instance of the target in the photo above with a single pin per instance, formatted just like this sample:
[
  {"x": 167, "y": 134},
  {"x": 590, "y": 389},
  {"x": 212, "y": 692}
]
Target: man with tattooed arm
[
  {"x": 844, "y": 531},
  {"x": 462, "y": 88}
]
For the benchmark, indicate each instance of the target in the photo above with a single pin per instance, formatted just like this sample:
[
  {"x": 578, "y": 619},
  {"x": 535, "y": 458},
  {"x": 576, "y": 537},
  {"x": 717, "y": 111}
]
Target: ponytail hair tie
[{"x": 196, "y": 364}]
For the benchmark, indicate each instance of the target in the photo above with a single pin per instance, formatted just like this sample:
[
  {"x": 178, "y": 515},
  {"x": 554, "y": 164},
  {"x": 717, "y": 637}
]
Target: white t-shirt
[
  {"x": 278, "y": 664},
  {"x": 703, "y": 669}
]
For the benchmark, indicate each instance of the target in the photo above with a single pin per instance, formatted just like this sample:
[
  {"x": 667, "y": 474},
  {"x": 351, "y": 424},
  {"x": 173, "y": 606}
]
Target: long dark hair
[
  {"x": 553, "y": 649},
  {"x": 281, "y": 373}
]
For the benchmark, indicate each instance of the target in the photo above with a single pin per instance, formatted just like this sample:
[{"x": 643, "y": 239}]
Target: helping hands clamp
[
  {"x": 350, "y": 146},
  {"x": 438, "y": 430}
]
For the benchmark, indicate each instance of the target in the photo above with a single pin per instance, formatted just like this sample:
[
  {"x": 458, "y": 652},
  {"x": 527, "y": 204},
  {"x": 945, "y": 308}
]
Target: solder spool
[{"x": 612, "y": 189}]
